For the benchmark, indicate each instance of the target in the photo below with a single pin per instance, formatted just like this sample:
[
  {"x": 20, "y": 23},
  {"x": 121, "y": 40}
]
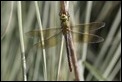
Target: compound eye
[{"x": 63, "y": 16}]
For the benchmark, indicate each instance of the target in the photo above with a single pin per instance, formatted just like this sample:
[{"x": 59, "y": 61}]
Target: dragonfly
[{"x": 77, "y": 32}]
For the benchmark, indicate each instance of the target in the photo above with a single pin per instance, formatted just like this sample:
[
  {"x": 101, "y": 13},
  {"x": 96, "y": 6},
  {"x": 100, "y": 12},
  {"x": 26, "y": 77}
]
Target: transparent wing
[
  {"x": 91, "y": 26},
  {"x": 51, "y": 41},
  {"x": 46, "y": 32},
  {"x": 86, "y": 38},
  {"x": 53, "y": 35}
]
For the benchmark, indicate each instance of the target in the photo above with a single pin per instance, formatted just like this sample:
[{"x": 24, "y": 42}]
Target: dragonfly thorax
[
  {"x": 65, "y": 27},
  {"x": 64, "y": 23}
]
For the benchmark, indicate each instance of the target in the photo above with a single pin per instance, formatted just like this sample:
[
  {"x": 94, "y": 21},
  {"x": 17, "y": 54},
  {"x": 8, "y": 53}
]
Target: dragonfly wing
[
  {"x": 46, "y": 32},
  {"x": 51, "y": 41},
  {"x": 86, "y": 38},
  {"x": 91, "y": 26}
]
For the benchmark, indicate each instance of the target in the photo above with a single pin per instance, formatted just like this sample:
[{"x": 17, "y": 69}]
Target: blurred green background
[{"x": 102, "y": 60}]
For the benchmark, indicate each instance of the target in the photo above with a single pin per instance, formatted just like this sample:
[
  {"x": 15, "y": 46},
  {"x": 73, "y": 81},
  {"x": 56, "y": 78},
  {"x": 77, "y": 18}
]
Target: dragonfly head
[{"x": 64, "y": 17}]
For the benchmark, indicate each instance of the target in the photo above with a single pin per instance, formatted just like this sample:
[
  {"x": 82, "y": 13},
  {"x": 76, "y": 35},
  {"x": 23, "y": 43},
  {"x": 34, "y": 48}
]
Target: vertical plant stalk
[
  {"x": 60, "y": 58},
  {"x": 70, "y": 44},
  {"x": 22, "y": 41},
  {"x": 85, "y": 45},
  {"x": 87, "y": 19},
  {"x": 42, "y": 40},
  {"x": 9, "y": 21}
]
